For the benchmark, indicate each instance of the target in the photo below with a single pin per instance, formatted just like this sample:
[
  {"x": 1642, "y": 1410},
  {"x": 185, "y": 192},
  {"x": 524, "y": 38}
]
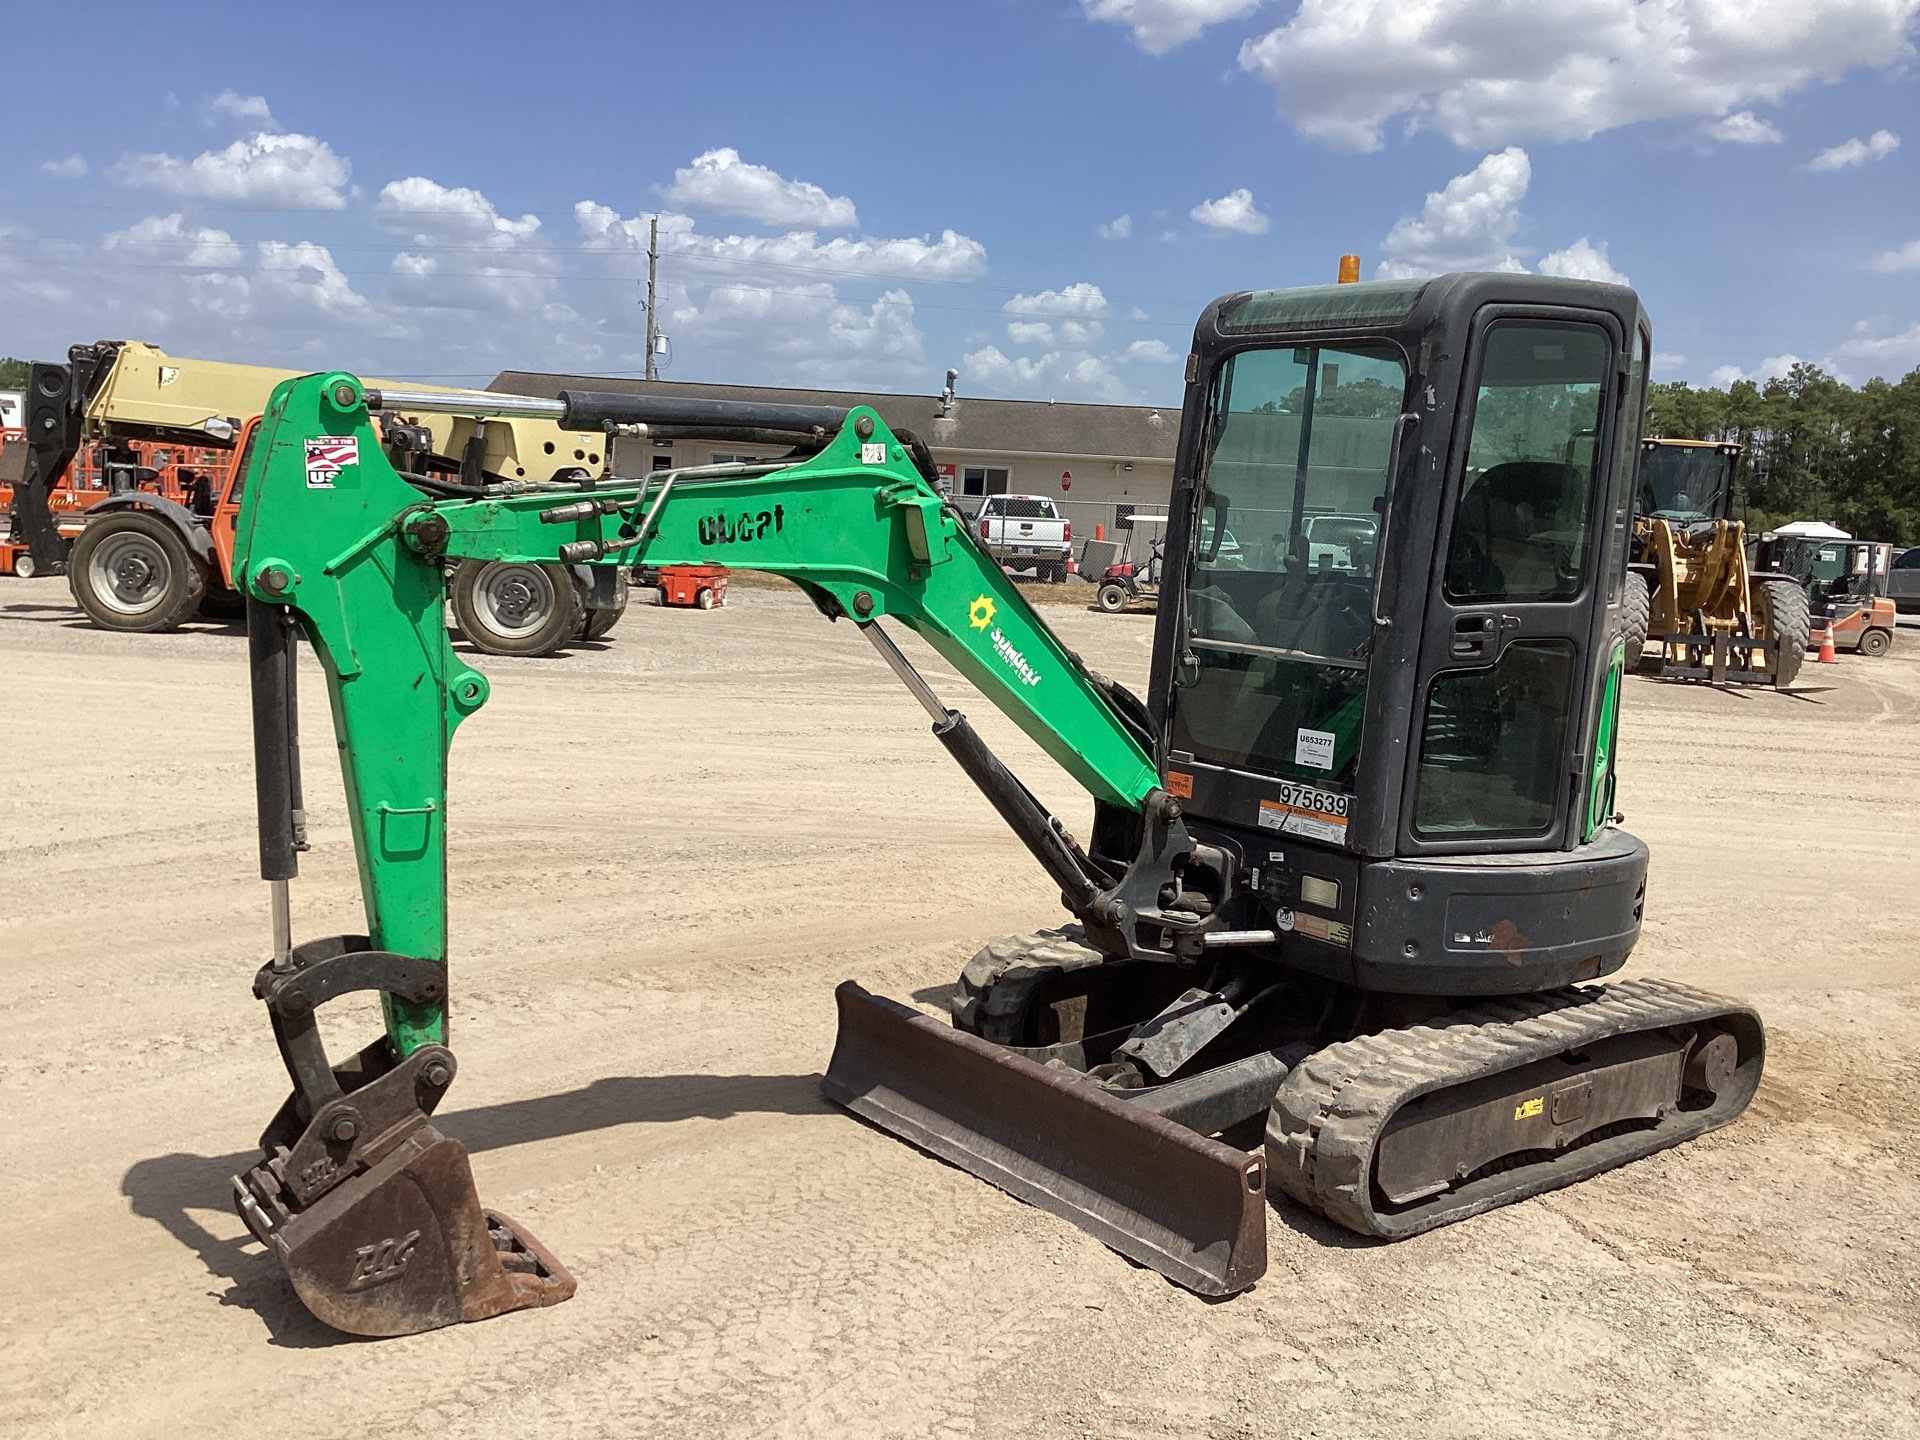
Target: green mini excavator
[{"x": 1349, "y": 866}]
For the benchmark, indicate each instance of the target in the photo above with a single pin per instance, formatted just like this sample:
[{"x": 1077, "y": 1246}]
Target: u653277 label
[{"x": 1307, "y": 810}]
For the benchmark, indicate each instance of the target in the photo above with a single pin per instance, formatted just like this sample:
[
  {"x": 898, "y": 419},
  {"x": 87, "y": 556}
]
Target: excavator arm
[{"x": 336, "y": 545}]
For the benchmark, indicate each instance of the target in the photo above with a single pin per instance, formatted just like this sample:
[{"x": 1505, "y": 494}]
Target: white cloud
[
  {"x": 1486, "y": 74},
  {"x": 1232, "y": 214},
  {"x": 1582, "y": 260},
  {"x": 1743, "y": 127},
  {"x": 721, "y": 183},
  {"x": 1118, "y": 228},
  {"x": 1071, "y": 316},
  {"x": 1469, "y": 225},
  {"x": 71, "y": 168},
  {"x": 468, "y": 257},
  {"x": 1902, "y": 257},
  {"x": 1856, "y": 151},
  {"x": 1665, "y": 362},
  {"x": 1150, "y": 352},
  {"x": 439, "y": 212},
  {"x": 1081, "y": 300},
  {"x": 1774, "y": 367},
  {"x": 771, "y": 307},
  {"x": 951, "y": 257},
  {"x": 169, "y": 240},
  {"x": 1903, "y": 347},
  {"x": 168, "y": 278},
  {"x": 261, "y": 172},
  {"x": 1056, "y": 375},
  {"x": 251, "y": 108},
  {"x": 1158, "y": 26}
]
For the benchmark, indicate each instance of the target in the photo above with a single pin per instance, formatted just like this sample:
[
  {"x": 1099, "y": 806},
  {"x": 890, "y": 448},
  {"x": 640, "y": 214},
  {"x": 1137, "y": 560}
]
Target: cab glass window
[
  {"x": 1520, "y": 527},
  {"x": 1280, "y": 581},
  {"x": 1490, "y": 749}
]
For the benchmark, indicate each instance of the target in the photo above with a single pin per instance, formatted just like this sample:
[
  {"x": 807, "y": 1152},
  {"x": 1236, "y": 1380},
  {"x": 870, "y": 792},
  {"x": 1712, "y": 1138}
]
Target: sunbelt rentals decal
[{"x": 980, "y": 616}]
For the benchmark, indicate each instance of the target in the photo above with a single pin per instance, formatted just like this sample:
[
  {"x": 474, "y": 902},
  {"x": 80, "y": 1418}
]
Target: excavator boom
[{"x": 333, "y": 544}]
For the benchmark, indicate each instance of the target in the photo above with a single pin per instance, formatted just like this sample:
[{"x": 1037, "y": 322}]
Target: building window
[
  {"x": 663, "y": 462},
  {"x": 985, "y": 480}
]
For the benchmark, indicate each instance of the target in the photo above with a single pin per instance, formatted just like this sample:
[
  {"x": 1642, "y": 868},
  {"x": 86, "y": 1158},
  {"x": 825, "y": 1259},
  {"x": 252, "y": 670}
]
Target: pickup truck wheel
[
  {"x": 516, "y": 609},
  {"x": 1875, "y": 642},
  {"x": 1112, "y": 599},
  {"x": 133, "y": 572}
]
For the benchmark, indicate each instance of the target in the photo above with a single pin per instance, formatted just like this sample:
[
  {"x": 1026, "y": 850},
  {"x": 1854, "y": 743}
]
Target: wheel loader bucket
[
  {"x": 1183, "y": 1204},
  {"x": 402, "y": 1247}
]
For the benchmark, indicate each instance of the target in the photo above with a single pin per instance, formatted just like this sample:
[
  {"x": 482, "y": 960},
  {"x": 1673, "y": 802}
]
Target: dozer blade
[
  {"x": 402, "y": 1247},
  {"x": 1190, "y": 1207}
]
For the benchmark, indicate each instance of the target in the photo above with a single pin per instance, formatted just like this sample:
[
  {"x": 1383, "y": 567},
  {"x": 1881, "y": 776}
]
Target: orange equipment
[{"x": 701, "y": 586}]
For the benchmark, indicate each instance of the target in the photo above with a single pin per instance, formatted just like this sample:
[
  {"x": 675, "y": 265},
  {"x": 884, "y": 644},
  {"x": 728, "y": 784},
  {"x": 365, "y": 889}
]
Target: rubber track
[{"x": 1333, "y": 1107}]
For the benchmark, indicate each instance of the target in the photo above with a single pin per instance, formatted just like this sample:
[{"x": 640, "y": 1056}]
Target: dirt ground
[{"x": 666, "y": 852}]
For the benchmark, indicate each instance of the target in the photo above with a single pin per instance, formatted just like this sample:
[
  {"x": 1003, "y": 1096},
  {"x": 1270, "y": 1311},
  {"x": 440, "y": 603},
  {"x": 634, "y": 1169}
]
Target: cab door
[{"x": 1504, "y": 702}]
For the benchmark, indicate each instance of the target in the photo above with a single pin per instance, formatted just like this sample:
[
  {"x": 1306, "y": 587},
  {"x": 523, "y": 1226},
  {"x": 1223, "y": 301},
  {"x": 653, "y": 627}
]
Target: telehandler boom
[{"x": 1347, "y": 866}]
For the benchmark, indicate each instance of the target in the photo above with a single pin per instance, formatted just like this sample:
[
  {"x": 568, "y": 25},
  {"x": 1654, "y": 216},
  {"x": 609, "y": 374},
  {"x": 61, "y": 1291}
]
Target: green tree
[{"x": 13, "y": 374}]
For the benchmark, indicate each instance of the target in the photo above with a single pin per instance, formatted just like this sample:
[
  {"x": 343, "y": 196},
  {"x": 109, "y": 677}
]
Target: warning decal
[
  {"x": 1307, "y": 810},
  {"x": 327, "y": 456}
]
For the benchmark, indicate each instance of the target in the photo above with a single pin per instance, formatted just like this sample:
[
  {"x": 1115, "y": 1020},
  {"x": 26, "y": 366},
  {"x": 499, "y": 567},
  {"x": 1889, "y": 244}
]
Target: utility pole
[{"x": 653, "y": 328}]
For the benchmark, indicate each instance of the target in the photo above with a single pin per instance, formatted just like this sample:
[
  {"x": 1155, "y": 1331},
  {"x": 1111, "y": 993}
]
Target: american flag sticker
[{"x": 327, "y": 456}]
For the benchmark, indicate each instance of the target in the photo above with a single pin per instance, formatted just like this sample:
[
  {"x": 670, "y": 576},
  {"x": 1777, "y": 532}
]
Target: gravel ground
[{"x": 666, "y": 852}]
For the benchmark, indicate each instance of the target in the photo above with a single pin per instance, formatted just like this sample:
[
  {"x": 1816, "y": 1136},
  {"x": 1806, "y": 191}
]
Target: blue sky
[{"x": 1041, "y": 193}]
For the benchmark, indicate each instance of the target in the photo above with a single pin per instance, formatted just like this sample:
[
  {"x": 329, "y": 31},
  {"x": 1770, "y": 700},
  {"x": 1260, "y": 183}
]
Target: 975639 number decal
[{"x": 1307, "y": 810}]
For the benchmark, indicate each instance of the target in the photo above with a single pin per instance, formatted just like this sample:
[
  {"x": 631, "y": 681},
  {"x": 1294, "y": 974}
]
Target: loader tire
[
  {"x": 133, "y": 572},
  {"x": 1636, "y": 617},
  {"x": 1782, "y": 607},
  {"x": 515, "y": 609},
  {"x": 997, "y": 988}
]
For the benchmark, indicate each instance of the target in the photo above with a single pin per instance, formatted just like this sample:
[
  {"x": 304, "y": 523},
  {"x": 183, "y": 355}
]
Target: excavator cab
[{"x": 1354, "y": 920}]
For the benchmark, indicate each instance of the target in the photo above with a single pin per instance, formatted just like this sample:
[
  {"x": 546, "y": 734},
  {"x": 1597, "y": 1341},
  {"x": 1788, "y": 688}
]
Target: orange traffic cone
[{"x": 1826, "y": 656}]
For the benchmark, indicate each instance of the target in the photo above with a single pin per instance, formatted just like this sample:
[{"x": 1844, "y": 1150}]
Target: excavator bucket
[
  {"x": 404, "y": 1246},
  {"x": 370, "y": 1209},
  {"x": 1178, "y": 1202}
]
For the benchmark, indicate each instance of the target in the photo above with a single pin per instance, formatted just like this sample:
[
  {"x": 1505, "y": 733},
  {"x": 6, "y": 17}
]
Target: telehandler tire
[
  {"x": 1781, "y": 607},
  {"x": 133, "y": 572},
  {"x": 1636, "y": 617},
  {"x": 514, "y": 609}
]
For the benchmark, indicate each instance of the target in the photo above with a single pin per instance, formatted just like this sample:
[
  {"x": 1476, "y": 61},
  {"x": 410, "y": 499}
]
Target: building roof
[{"x": 1010, "y": 427}]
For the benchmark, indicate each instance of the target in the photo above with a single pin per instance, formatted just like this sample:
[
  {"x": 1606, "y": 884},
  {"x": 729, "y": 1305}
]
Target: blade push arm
[{"x": 328, "y": 529}]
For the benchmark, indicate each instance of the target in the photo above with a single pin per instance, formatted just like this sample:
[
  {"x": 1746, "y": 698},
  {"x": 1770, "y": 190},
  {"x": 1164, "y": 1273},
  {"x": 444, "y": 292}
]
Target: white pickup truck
[{"x": 1025, "y": 532}]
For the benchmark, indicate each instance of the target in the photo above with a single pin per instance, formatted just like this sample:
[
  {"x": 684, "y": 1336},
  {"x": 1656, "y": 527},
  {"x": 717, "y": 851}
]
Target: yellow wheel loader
[{"x": 1690, "y": 589}]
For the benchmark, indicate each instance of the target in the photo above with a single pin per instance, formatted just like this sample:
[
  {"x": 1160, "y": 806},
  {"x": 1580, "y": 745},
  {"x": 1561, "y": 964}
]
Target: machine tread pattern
[
  {"x": 1333, "y": 1107},
  {"x": 991, "y": 998},
  {"x": 1790, "y": 622}
]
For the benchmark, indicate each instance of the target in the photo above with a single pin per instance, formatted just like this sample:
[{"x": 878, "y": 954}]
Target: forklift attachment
[{"x": 1162, "y": 1195}]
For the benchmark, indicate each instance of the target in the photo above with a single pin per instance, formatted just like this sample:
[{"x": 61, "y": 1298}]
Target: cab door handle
[{"x": 1474, "y": 636}]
